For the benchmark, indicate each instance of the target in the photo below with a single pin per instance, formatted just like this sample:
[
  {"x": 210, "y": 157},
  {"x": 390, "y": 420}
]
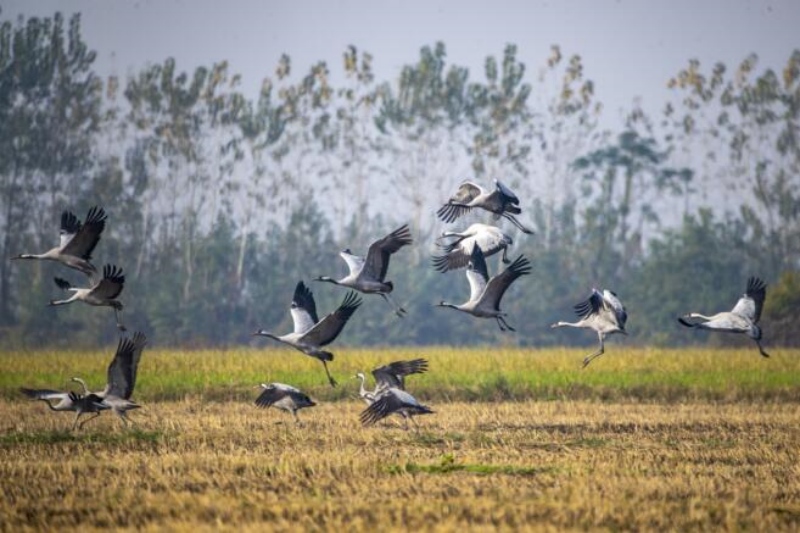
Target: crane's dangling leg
[
  {"x": 399, "y": 311},
  {"x": 761, "y": 350},
  {"x": 119, "y": 321},
  {"x": 598, "y": 353},
  {"x": 75, "y": 422},
  {"x": 517, "y": 223},
  {"x": 296, "y": 420},
  {"x": 330, "y": 378},
  {"x": 505, "y": 258},
  {"x": 502, "y": 322},
  {"x": 88, "y": 420}
]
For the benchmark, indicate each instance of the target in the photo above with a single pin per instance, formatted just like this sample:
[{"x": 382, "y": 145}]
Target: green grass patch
[{"x": 456, "y": 374}]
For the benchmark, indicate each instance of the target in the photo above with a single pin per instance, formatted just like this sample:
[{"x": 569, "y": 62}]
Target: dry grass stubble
[{"x": 543, "y": 465}]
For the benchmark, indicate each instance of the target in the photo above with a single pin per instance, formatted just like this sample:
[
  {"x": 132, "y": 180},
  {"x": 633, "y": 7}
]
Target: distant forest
[{"x": 219, "y": 203}]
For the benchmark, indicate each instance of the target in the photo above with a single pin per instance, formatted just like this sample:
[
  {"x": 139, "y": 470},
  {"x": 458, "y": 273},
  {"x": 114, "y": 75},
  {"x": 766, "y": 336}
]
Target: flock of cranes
[{"x": 602, "y": 311}]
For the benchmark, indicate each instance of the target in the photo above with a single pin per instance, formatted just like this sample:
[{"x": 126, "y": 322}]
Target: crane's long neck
[
  {"x": 561, "y": 324},
  {"x": 698, "y": 315},
  {"x": 361, "y": 391},
  {"x": 328, "y": 279},
  {"x": 264, "y": 333},
  {"x": 67, "y": 301},
  {"x": 83, "y": 384},
  {"x": 448, "y": 304}
]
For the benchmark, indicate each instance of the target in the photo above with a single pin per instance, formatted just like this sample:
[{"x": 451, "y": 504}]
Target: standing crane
[
  {"x": 310, "y": 333},
  {"x": 602, "y": 312},
  {"x": 120, "y": 377},
  {"x": 500, "y": 201},
  {"x": 486, "y": 293},
  {"x": 368, "y": 274},
  {"x": 743, "y": 318},
  {"x": 390, "y": 401},
  {"x": 391, "y": 375},
  {"x": 103, "y": 292},
  {"x": 284, "y": 397},
  {"x": 77, "y": 241},
  {"x": 457, "y": 253}
]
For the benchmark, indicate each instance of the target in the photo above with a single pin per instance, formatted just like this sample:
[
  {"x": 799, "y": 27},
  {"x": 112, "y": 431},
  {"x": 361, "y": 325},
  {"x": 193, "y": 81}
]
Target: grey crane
[
  {"x": 66, "y": 401},
  {"x": 103, "y": 291},
  {"x": 390, "y": 401},
  {"x": 489, "y": 239},
  {"x": 77, "y": 241},
  {"x": 120, "y": 377},
  {"x": 485, "y": 292},
  {"x": 368, "y": 274},
  {"x": 390, "y": 375},
  {"x": 284, "y": 397},
  {"x": 310, "y": 333},
  {"x": 500, "y": 201},
  {"x": 743, "y": 318},
  {"x": 602, "y": 312}
]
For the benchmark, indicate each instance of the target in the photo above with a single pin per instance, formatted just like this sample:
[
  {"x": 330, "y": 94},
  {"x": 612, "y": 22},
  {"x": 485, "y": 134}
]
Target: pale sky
[{"x": 630, "y": 48}]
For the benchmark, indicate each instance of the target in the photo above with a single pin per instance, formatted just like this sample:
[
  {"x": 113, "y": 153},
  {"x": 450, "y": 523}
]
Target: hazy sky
[{"x": 630, "y": 48}]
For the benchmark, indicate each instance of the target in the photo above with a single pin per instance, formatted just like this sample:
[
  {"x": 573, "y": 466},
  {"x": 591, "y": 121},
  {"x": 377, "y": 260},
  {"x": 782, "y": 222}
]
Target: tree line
[{"x": 220, "y": 202}]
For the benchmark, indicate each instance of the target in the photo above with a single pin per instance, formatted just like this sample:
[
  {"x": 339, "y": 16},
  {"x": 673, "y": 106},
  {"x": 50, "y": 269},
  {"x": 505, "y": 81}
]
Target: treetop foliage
[{"x": 219, "y": 202}]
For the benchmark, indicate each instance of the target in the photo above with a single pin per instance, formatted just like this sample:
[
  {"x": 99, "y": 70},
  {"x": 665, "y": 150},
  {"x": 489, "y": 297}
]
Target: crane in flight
[
  {"x": 311, "y": 333},
  {"x": 743, "y": 318},
  {"x": 602, "y": 312},
  {"x": 77, "y": 241},
  {"x": 368, "y": 274}
]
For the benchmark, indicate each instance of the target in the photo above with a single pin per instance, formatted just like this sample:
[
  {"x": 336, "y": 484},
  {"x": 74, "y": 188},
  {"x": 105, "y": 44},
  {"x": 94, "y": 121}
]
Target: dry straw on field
[{"x": 652, "y": 463}]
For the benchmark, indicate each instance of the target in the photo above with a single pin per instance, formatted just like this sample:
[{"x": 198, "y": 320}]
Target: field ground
[{"x": 640, "y": 440}]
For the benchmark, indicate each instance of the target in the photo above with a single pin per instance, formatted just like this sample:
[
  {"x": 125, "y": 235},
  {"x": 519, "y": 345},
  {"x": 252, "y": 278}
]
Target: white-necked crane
[
  {"x": 390, "y": 375},
  {"x": 120, "y": 377},
  {"x": 743, "y": 318},
  {"x": 368, "y": 274},
  {"x": 103, "y": 291},
  {"x": 500, "y": 201},
  {"x": 284, "y": 397},
  {"x": 485, "y": 292},
  {"x": 77, "y": 241},
  {"x": 489, "y": 239},
  {"x": 604, "y": 313},
  {"x": 390, "y": 401},
  {"x": 310, "y": 333}
]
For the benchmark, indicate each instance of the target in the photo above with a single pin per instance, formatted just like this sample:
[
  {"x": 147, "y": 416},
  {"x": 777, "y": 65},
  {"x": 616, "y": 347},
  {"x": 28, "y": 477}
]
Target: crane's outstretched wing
[
  {"x": 304, "y": 309},
  {"x": 120, "y": 374},
  {"x": 391, "y": 401},
  {"x": 505, "y": 191},
  {"x": 377, "y": 261},
  {"x": 393, "y": 374},
  {"x": 477, "y": 273},
  {"x": 84, "y": 237},
  {"x": 62, "y": 284},
  {"x": 456, "y": 205},
  {"x": 498, "y": 285},
  {"x": 355, "y": 263},
  {"x": 752, "y": 302},
  {"x": 139, "y": 342},
  {"x": 274, "y": 392},
  {"x": 590, "y": 306},
  {"x": 112, "y": 283},
  {"x": 613, "y": 303},
  {"x": 327, "y": 329}
]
